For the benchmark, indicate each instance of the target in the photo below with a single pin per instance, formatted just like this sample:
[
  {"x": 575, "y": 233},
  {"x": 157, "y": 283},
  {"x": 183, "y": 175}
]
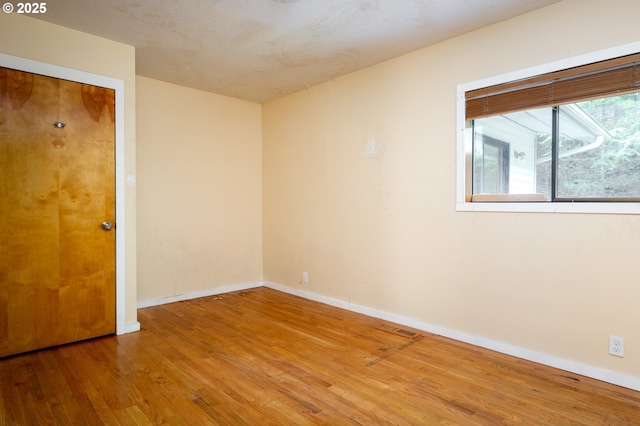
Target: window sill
[
  {"x": 549, "y": 207},
  {"x": 502, "y": 198}
]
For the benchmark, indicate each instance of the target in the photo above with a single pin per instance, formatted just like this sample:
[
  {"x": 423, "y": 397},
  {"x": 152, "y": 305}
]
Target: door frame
[{"x": 56, "y": 71}]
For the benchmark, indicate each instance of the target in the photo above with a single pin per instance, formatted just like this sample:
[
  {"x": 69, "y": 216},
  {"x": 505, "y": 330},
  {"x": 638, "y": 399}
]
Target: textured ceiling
[{"x": 261, "y": 49}]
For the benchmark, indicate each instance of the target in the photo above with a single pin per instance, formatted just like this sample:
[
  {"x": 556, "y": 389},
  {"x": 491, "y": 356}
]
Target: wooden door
[{"x": 57, "y": 187}]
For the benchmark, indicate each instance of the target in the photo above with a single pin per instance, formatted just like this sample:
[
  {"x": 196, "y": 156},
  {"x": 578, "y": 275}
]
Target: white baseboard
[
  {"x": 131, "y": 327},
  {"x": 538, "y": 357},
  {"x": 196, "y": 294}
]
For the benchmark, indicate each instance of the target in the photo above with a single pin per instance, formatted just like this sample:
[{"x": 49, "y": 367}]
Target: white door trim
[{"x": 55, "y": 71}]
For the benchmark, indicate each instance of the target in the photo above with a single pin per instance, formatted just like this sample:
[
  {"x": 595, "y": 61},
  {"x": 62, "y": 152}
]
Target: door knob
[{"x": 107, "y": 226}]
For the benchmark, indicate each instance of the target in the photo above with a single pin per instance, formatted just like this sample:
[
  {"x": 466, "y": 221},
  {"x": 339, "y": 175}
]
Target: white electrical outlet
[
  {"x": 305, "y": 278},
  {"x": 616, "y": 346}
]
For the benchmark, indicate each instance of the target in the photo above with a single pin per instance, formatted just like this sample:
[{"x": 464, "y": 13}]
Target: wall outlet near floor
[
  {"x": 616, "y": 346},
  {"x": 305, "y": 278}
]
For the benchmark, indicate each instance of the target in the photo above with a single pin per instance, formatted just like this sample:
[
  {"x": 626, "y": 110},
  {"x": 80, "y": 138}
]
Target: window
[
  {"x": 490, "y": 165},
  {"x": 567, "y": 136}
]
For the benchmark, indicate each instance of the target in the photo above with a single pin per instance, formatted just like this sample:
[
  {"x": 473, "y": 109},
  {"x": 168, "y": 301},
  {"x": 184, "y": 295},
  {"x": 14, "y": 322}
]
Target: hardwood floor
[{"x": 262, "y": 357}]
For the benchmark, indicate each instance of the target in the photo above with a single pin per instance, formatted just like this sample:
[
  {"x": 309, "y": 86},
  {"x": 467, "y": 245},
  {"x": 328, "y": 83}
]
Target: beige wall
[
  {"x": 359, "y": 185},
  {"x": 200, "y": 193},
  {"x": 43, "y": 42}
]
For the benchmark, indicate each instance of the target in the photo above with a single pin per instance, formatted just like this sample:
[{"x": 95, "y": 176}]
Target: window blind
[{"x": 606, "y": 78}]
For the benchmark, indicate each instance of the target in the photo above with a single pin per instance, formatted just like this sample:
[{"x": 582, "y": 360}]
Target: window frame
[{"x": 464, "y": 149}]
